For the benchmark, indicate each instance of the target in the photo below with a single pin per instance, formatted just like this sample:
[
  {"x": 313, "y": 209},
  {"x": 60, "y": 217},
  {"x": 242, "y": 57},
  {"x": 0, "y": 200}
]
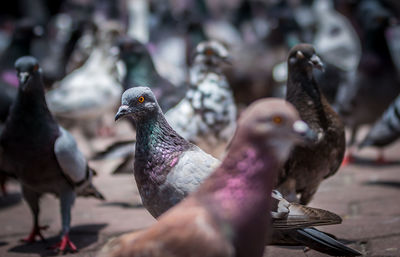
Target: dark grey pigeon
[
  {"x": 375, "y": 83},
  {"x": 42, "y": 155},
  {"x": 167, "y": 168},
  {"x": 385, "y": 130}
]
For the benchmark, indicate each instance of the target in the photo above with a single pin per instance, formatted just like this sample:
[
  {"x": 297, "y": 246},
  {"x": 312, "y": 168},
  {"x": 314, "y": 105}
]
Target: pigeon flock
[{"x": 226, "y": 115}]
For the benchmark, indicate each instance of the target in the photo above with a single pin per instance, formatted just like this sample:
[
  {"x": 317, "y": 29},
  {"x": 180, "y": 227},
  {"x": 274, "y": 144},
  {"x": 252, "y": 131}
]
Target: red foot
[
  {"x": 35, "y": 232},
  {"x": 3, "y": 189},
  {"x": 348, "y": 159},
  {"x": 64, "y": 243},
  {"x": 381, "y": 159}
]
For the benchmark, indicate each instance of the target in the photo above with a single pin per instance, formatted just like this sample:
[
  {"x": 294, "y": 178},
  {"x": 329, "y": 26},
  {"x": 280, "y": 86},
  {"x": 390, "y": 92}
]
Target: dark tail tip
[{"x": 322, "y": 242}]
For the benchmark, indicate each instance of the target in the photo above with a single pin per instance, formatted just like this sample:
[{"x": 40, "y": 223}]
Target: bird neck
[
  {"x": 29, "y": 111},
  {"x": 303, "y": 92},
  {"x": 140, "y": 71},
  {"x": 199, "y": 71},
  {"x": 237, "y": 194},
  {"x": 157, "y": 147}
]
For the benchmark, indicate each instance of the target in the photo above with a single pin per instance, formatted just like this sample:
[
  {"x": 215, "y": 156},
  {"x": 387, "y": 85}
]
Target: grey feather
[
  {"x": 387, "y": 129},
  {"x": 71, "y": 160}
]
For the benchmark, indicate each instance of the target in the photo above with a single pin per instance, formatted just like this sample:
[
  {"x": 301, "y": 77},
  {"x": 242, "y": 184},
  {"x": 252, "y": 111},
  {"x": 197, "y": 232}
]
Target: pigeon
[
  {"x": 25, "y": 32},
  {"x": 385, "y": 130},
  {"x": 207, "y": 114},
  {"x": 141, "y": 71},
  {"x": 41, "y": 154},
  {"x": 361, "y": 101},
  {"x": 86, "y": 93},
  {"x": 226, "y": 214},
  {"x": 338, "y": 46},
  {"x": 167, "y": 168},
  {"x": 336, "y": 41},
  {"x": 308, "y": 165},
  {"x": 59, "y": 45}
]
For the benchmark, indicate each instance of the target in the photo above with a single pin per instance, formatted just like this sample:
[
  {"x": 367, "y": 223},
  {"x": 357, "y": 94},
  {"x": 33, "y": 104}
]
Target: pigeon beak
[
  {"x": 122, "y": 111},
  {"x": 304, "y": 132},
  {"x": 114, "y": 51},
  {"x": 23, "y": 77},
  {"x": 316, "y": 62}
]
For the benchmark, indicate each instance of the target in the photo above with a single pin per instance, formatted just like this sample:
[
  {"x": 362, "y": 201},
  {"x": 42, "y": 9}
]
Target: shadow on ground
[
  {"x": 82, "y": 235},
  {"x": 362, "y": 161},
  {"x": 124, "y": 205},
  {"x": 384, "y": 183}
]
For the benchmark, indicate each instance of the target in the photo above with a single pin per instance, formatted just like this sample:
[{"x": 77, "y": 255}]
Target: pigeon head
[
  {"x": 27, "y": 67},
  {"x": 304, "y": 56},
  {"x": 130, "y": 50},
  {"x": 139, "y": 103},
  {"x": 273, "y": 124},
  {"x": 26, "y": 30},
  {"x": 211, "y": 53},
  {"x": 374, "y": 16}
]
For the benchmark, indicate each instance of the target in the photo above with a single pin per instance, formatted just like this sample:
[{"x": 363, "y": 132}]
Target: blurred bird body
[
  {"x": 386, "y": 130},
  {"x": 375, "y": 83},
  {"x": 336, "y": 41},
  {"x": 86, "y": 93},
  {"x": 338, "y": 45},
  {"x": 140, "y": 70}
]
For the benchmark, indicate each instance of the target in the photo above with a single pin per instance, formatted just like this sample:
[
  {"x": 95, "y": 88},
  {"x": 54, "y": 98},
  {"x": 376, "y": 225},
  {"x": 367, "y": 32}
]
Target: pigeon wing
[{"x": 72, "y": 162}]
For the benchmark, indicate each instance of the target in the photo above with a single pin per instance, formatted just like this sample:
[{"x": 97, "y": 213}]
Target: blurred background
[{"x": 90, "y": 51}]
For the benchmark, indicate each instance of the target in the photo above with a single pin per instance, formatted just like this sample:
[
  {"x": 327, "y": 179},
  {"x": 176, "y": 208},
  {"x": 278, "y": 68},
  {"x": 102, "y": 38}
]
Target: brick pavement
[{"x": 366, "y": 196}]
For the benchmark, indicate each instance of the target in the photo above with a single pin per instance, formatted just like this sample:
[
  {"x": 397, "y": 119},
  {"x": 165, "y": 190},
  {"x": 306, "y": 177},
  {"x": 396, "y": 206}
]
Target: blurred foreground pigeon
[
  {"x": 167, "y": 168},
  {"x": 376, "y": 82},
  {"x": 226, "y": 216},
  {"x": 43, "y": 156},
  {"x": 308, "y": 165},
  {"x": 386, "y": 130}
]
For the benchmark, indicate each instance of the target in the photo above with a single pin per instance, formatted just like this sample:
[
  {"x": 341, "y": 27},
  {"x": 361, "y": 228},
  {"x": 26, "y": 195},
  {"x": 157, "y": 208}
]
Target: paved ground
[{"x": 365, "y": 195}]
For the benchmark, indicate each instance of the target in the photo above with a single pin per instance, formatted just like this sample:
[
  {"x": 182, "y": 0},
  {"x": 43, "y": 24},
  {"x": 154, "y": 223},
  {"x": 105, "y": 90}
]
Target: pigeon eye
[
  {"x": 209, "y": 52},
  {"x": 277, "y": 120},
  {"x": 36, "y": 67},
  {"x": 141, "y": 99}
]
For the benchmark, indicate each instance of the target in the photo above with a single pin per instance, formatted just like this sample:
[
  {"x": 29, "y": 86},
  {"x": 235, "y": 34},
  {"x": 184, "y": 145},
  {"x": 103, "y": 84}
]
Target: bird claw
[
  {"x": 3, "y": 189},
  {"x": 35, "y": 232},
  {"x": 64, "y": 245},
  {"x": 381, "y": 159}
]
